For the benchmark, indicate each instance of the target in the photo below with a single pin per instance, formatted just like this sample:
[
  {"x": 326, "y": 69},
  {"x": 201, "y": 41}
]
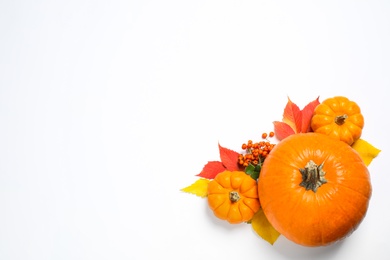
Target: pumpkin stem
[
  {"x": 312, "y": 176},
  {"x": 340, "y": 119},
  {"x": 234, "y": 196}
]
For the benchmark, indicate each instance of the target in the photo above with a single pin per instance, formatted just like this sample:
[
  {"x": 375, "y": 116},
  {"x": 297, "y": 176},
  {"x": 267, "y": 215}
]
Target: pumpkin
[
  {"x": 340, "y": 118},
  {"x": 314, "y": 190},
  {"x": 233, "y": 196}
]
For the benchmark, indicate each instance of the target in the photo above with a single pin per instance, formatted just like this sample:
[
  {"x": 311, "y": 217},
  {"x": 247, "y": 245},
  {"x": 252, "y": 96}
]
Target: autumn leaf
[
  {"x": 211, "y": 169},
  {"x": 292, "y": 116},
  {"x": 307, "y": 114},
  {"x": 199, "y": 188},
  {"x": 365, "y": 150},
  {"x": 295, "y": 120},
  {"x": 282, "y": 130},
  {"x": 229, "y": 158},
  {"x": 263, "y": 228},
  {"x": 229, "y": 161}
]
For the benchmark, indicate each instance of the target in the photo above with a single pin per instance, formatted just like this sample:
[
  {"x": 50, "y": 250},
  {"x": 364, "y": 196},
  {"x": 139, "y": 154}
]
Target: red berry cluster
[{"x": 255, "y": 153}]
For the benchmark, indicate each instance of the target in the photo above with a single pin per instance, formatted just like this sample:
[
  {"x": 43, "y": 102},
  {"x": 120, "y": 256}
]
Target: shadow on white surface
[
  {"x": 221, "y": 224},
  {"x": 291, "y": 250},
  {"x": 283, "y": 247}
]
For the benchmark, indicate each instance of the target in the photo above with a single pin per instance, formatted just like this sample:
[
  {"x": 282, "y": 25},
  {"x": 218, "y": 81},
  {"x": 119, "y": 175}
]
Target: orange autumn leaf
[
  {"x": 294, "y": 119},
  {"x": 282, "y": 130}
]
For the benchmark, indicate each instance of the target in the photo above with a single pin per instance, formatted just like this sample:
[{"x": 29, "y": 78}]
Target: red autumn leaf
[
  {"x": 292, "y": 116},
  {"x": 229, "y": 158},
  {"x": 211, "y": 169},
  {"x": 295, "y": 120},
  {"x": 307, "y": 114},
  {"x": 282, "y": 130}
]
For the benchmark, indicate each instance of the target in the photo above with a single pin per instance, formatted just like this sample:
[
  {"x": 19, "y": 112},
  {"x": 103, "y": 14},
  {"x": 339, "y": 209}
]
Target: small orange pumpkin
[
  {"x": 233, "y": 196},
  {"x": 340, "y": 118},
  {"x": 314, "y": 189}
]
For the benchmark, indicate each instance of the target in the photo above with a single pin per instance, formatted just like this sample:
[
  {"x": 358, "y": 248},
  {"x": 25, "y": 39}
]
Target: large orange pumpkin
[
  {"x": 314, "y": 189},
  {"x": 233, "y": 196}
]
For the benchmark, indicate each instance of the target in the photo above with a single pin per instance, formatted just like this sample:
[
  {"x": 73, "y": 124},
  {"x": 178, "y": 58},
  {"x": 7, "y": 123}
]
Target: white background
[{"x": 109, "y": 108}]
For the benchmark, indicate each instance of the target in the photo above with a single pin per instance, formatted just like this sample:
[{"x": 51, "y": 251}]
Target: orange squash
[
  {"x": 314, "y": 190},
  {"x": 340, "y": 118},
  {"x": 233, "y": 196}
]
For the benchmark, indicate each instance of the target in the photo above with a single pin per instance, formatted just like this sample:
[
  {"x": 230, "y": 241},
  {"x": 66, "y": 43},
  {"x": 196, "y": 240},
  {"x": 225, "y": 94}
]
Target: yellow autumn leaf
[
  {"x": 366, "y": 151},
  {"x": 199, "y": 188},
  {"x": 263, "y": 228}
]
